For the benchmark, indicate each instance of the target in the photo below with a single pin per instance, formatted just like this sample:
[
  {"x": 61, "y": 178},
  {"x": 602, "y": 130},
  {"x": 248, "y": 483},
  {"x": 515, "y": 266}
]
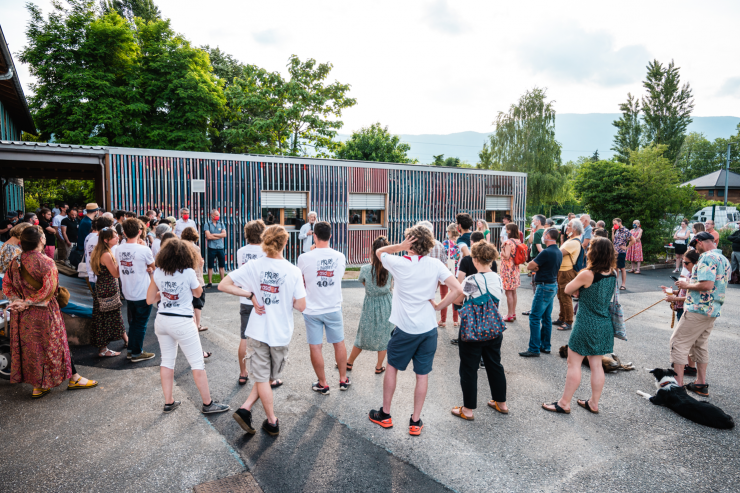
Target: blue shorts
[
  {"x": 216, "y": 253},
  {"x": 404, "y": 347},
  {"x": 315, "y": 325},
  {"x": 621, "y": 257}
]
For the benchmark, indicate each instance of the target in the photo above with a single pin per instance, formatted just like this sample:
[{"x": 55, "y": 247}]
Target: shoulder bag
[
  {"x": 62, "y": 293},
  {"x": 615, "y": 309},
  {"x": 480, "y": 319}
]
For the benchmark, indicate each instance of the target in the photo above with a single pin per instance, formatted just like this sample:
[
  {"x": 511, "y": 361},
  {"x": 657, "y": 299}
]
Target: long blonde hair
[
  {"x": 485, "y": 225},
  {"x": 101, "y": 248}
]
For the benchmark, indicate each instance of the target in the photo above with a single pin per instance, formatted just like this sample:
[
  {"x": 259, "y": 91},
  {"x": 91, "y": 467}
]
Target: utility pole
[{"x": 727, "y": 172}]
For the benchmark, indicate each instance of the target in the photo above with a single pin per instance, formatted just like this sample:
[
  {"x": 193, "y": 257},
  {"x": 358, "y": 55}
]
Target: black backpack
[{"x": 580, "y": 262}]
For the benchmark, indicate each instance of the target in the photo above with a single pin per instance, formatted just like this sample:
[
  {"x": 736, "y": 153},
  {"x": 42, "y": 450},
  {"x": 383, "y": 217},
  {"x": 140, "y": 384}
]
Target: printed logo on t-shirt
[
  {"x": 270, "y": 283},
  {"x": 246, "y": 257},
  {"x": 127, "y": 263},
  {"x": 325, "y": 272},
  {"x": 171, "y": 294}
]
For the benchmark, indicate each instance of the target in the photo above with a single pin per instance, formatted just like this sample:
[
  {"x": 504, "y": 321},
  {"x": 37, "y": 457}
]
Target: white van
[{"x": 722, "y": 215}]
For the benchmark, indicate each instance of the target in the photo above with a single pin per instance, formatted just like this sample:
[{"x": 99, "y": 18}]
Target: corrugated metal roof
[
  {"x": 715, "y": 180},
  {"x": 39, "y": 145}
]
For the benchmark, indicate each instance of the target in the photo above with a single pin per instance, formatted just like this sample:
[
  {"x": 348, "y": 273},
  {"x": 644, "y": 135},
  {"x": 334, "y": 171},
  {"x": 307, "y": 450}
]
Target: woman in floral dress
[
  {"x": 510, "y": 271},
  {"x": 454, "y": 254},
  {"x": 634, "y": 252},
  {"x": 107, "y": 326},
  {"x": 39, "y": 349}
]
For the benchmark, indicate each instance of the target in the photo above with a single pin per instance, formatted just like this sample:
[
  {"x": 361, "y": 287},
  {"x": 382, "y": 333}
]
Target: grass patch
[{"x": 352, "y": 269}]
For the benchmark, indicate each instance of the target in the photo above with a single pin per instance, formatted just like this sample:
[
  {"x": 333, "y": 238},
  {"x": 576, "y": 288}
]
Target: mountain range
[{"x": 579, "y": 134}]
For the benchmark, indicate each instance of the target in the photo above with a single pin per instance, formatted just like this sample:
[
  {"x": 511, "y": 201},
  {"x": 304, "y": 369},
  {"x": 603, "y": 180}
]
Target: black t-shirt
[
  {"x": 467, "y": 266},
  {"x": 50, "y": 237},
  {"x": 465, "y": 238},
  {"x": 548, "y": 261},
  {"x": 72, "y": 226},
  {"x": 4, "y": 224}
]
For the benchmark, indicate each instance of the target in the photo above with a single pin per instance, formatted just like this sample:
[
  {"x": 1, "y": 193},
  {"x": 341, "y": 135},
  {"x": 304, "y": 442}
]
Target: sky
[{"x": 438, "y": 66}]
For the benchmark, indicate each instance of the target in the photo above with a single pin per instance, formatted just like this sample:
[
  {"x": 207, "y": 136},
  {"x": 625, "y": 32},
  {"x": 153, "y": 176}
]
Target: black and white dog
[{"x": 675, "y": 398}]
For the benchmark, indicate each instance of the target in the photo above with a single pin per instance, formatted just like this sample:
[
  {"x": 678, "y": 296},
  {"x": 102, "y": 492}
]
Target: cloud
[
  {"x": 267, "y": 37},
  {"x": 731, "y": 87},
  {"x": 570, "y": 53},
  {"x": 441, "y": 17}
]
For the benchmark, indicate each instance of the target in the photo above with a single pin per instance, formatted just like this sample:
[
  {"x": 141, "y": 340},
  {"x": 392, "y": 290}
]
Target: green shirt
[{"x": 536, "y": 240}]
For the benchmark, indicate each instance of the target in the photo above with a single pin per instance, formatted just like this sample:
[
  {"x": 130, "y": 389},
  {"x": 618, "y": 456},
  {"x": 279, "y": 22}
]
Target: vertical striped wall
[
  {"x": 8, "y": 128},
  {"x": 14, "y": 198},
  {"x": 139, "y": 183}
]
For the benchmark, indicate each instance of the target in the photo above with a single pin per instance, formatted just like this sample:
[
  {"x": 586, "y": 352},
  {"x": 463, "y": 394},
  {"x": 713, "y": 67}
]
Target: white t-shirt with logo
[
  {"x": 156, "y": 245},
  {"x": 415, "y": 281},
  {"x": 322, "y": 269},
  {"x": 244, "y": 255},
  {"x": 90, "y": 241},
  {"x": 176, "y": 291},
  {"x": 275, "y": 284},
  {"x": 133, "y": 260}
]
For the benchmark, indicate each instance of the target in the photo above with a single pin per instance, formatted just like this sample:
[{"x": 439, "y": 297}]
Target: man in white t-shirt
[
  {"x": 275, "y": 286},
  {"x": 184, "y": 222},
  {"x": 135, "y": 263},
  {"x": 251, "y": 251},
  {"x": 323, "y": 269},
  {"x": 415, "y": 337}
]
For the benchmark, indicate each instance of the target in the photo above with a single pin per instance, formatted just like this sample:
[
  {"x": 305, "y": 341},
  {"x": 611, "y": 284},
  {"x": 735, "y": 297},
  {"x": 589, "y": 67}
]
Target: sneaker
[
  {"x": 558, "y": 323},
  {"x": 142, "y": 357},
  {"x": 344, "y": 385},
  {"x": 128, "y": 354},
  {"x": 381, "y": 418},
  {"x": 244, "y": 418},
  {"x": 273, "y": 430},
  {"x": 689, "y": 371},
  {"x": 321, "y": 390},
  {"x": 702, "y": 390},
  {"x": 529, "y": 354},
  {"x": 214, "y": 407},
  {"x": 168, "y": 408},
  {"x": 454, "y": 341},
  {"x": 526, "y": 313},
  {"x": 546, "y": 351},
  {"x": 415, "y": 426},
  {"x": 209, "y": 285}
]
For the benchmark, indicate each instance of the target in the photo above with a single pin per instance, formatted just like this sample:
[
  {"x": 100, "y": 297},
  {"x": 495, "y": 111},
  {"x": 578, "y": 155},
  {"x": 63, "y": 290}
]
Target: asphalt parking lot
[{"x": 115, "y": 438}]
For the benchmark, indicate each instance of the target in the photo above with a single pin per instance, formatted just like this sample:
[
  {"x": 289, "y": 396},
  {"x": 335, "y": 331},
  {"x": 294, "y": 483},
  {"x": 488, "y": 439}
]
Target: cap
[
  {"x": 92, "y": 207},
  {"x": 703, "y": 236}
]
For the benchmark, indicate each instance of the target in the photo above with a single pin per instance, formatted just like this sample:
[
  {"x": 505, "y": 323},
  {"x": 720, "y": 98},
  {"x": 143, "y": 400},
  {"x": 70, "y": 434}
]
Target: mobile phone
[{"x": 674, "y": 278}]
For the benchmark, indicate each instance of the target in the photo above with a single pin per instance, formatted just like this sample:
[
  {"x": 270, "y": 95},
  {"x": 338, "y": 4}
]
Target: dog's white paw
[{"x": 643, "y": 394}]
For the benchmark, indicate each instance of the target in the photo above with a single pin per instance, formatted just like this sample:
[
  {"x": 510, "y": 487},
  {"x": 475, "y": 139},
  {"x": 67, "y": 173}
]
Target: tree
[
  {"x": 667, "y": 107},
  {"x": 374, "y": 143},
  {"x": 629, "y": 130},
  {"x": 128, "y": 9},
  {"x": 226, "y": 69},
  {"x": 73, "y": 192},
  {"x": 698, "y": 157},
  {"x": 485, "y": 157},
  {"x": 524, "y": 140},
  {"x": 595, "y": 156}
]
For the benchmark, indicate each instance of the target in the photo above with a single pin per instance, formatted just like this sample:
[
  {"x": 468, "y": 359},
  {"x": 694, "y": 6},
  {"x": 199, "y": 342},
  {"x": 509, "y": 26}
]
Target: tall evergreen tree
[{"x": 629, "y": 130}]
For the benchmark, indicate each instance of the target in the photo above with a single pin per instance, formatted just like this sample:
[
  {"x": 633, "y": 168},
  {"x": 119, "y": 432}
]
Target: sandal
[
  {"x": 108, "y": 353},
  {"x": 349, "y": 366},
  {"x": 631, "y": 271},
  {"x": 510, "y": 319},
  {"x": 380, "y": 370},
  {"x": 202, "y": 329},
  {"x": 442, "y": 324},
  {"x": 207, "y": 354},
  {"x": 456, "y": 325},
  {"x": 637, "y": 272},
  {"x": 557, "y": 409},
  {"x": 77, "y": 385},
  {"x": 584, "y": 405},
  {"x": 623, "y": 288},
  {"x": 39, "y": 393},
  {"x": 243, "y": 380},
  {"x": 460, "y": 414},
  {"x": 277, "y": 384},
  {"x": 495, "y": 406}
]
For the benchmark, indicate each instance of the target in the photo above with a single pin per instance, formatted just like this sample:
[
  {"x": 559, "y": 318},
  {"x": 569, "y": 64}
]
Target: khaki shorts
[
  {"x": 265, "y": 363},
  {"x": 691, "y": 338}
]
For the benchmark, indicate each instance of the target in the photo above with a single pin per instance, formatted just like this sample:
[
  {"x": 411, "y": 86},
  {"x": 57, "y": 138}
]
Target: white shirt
[
  {"x": 305, "y": 237},
  {"x": 244, "y": 255},
  {"x": 90, "y": 242},
  {"x": 176, "y": 291},
  {"x": 504, "y": 236},
  {"x": 56, "y": 222},
  {"x": 490, "y": 279},
  {"x": 322, "y": 269},
  {"x": 156, "y": 245},
  {"x": 180, "y": 225},
  {"x": 415, "y": 284},
  {"x": 275, "y": 283},
  {"x": 133, "y": 259}
]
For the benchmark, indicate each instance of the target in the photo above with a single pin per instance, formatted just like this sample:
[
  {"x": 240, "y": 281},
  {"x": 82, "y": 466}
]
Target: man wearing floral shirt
[
  {"x": 705, "y": 297},
  {"x": 621, "y": 237}
]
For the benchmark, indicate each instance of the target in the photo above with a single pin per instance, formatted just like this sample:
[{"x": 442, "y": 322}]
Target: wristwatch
[{"x": 251, "y": 295}]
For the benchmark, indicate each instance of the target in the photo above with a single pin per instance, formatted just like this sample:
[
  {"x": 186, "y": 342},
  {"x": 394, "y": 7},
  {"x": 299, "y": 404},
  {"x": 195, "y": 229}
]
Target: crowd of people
[{"x": 147, "y": 260}]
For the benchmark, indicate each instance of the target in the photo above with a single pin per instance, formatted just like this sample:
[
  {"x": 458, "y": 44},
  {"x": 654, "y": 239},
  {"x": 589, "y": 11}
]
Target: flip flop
[
  {"x": 623, "y": 288},
  {"x": 39, "y": 393},
  {"x": 637, "y": 272},
  {"x": 557, "y": 409},
  {"x": 202, "y": 329},
  {"x": 276, "y": 385},
  {"x": 380, "y": 370},
  {"x": 460, "y": 414},
  {"x": 243, "y": 380},
  {"x": 584, "y": 405},
  {"x": 495, "y": 406},
  {"x": 105, "y": 354},
  {"x": 207, "y": 355}
]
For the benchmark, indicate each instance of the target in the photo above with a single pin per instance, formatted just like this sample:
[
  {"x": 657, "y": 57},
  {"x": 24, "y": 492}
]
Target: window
[
  {"x": 366, "y": 209},
  {"x": 710, "y": 193},
  {"x": 720, "y": 193},
  {"x": 496, "y": 207},
  {"x": 284, "y": 208}
]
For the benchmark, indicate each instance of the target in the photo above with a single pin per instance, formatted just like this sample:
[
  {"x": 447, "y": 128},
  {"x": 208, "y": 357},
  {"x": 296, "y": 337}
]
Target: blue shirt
[
  {"x": 548, "y": 261},
  {"x": 214, "y": 229},
  {"x": 83, "y": 231}
]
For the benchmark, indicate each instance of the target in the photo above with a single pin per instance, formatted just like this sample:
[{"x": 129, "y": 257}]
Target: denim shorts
[
  {"x": 216, "y": 253},
  {"x": 404, "y": 347},
  {"x": 332, "y": 322}
]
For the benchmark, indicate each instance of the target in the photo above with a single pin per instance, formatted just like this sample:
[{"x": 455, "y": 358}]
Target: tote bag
[
  {"x": 480, "y": 319},
  {"x": 615, "y": 309}
]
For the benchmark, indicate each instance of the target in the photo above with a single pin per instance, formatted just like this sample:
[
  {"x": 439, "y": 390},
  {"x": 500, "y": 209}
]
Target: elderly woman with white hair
[
  {"x": 306, "y": 232},
  {"x": 157, "y": 242},
  {"x": 634, "y": 252},
  {"x": 571, "y": 249}
]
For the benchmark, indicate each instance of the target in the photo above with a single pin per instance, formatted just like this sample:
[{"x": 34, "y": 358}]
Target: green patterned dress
[
  {"x": 593, "y": 333},
  {"x": 374, "y": 330}
]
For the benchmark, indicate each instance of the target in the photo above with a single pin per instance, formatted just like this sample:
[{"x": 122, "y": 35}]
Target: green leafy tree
[
  {"x": 51, "y": 191},
  {"x": 629, "y": 130},
  {"x": 226, "y": 69},
  {"x": 524, "y": 141},
  {"x": 374, "y": 143},
  {"x": 698, "y": 157},
  {"x": 485, "y": 157},
  {"x": 667, "y": 107},
  {"x": 144, "y": 9}
]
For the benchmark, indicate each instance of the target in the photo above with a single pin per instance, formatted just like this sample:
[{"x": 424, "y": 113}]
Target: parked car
[
  {"x": 722, "y": 215},
  {"x": 559, "y": 220}
]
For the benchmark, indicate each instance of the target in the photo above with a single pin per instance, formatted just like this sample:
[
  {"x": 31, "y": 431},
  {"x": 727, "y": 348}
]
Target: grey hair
[
  {"x": 577, "y": 226},
  {"x": 426, "y": 224},
  {"x": 109, "y": 215},
  {"x": 314, "y": 213},
  {"x": 184, "y": 209},
  {"x": 602, "y": 223},
  {"x": 585, "y": 217},
  {"x": 214, "y": 211},
  {"x": 549, "y": 222},
  {"x": 161, "y": 230}
]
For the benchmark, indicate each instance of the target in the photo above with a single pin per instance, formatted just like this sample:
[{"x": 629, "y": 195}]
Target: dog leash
[{"x": 636, "y": 314}]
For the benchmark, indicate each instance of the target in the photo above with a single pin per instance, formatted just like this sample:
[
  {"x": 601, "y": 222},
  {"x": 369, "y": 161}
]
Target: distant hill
[{"x": 580, "y": 135}]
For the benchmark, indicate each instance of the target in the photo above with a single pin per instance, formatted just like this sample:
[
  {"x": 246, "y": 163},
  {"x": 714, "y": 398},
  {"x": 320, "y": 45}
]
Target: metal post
[{"x": 727, "y": 172}]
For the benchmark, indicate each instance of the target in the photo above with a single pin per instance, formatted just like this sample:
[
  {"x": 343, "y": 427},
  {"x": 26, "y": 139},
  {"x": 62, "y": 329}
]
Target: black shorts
[
  {"x": 216, "y": 253},
  {"x": 621, "y": 257},
  {"x": 200, "y": 301},
  {"x": 680, "y": 249},
  {"x": 244, "y": 312}
]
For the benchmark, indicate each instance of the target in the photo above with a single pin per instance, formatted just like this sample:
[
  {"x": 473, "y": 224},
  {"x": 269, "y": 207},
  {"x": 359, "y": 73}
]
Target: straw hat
[{"x": 92, "y": 207}]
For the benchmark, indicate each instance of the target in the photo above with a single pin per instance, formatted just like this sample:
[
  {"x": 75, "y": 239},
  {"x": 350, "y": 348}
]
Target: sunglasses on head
[{"x": 104, "y": 229}]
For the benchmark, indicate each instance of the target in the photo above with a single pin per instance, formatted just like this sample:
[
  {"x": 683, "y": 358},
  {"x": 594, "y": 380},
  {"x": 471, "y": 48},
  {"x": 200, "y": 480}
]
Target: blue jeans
[
  {"x": 138, "y": 319},
  {"x": 540, "y": 318}
]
